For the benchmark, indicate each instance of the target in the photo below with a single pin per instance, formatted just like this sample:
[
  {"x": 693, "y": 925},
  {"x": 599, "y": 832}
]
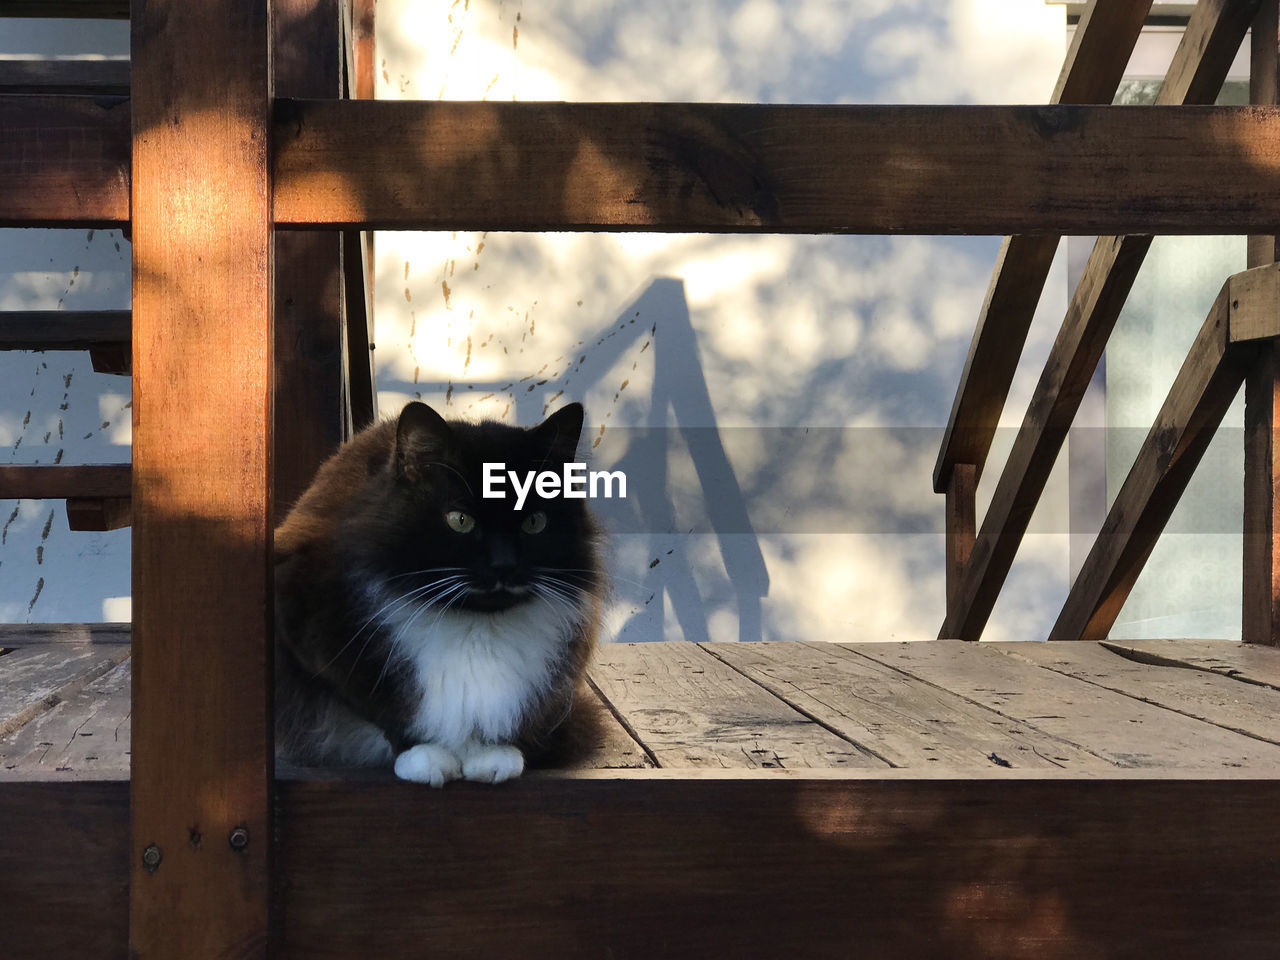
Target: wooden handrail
[
  {"x": 1246, "y": 311},
  {"x": 1197, "y": 73}
]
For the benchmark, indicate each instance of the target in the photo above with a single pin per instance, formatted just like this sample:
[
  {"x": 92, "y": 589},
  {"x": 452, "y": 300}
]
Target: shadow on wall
[{"x": 679, "y": 394}]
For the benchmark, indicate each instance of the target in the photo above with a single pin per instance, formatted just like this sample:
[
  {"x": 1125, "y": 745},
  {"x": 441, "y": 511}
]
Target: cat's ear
[
  {"x": 421, "y": 435},
  {"x": 559, "y": 433}
]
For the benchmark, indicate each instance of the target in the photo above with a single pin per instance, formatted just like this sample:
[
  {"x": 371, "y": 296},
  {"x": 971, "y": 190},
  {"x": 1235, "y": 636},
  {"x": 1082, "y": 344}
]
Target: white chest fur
[{"x": 478, "y": 672}]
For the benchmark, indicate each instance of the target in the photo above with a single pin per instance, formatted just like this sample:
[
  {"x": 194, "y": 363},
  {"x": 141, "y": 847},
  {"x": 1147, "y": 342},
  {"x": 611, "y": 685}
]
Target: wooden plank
[
  {"x": 84, "y": 736},
  {"x": 99, "y": 514},
  {"x": 23, "y": 482},
  {"x": 310, "y": 415},
  {"x": 62, "y": 329},
  {"x": 596, "y": 740},
  {"x": 362, "y": 380},
  {"x": 1206, "y": 385},
  {"x": 66, "y": 9},
  {"x": 1245, "y": 708},
  {"x": 689, "y": 709},
  {"x": 1260, "y": 617},
  {"x": 1196, "y": 74},
  {"x": 898, "y": 718},
  {"x": 64, "y": 161},
  {"x": 633, "y": 869},
  {"x": 75, "y": 77},
  {"x": 202, "y": 281},
  {"x": 1250, "y": 663},
  {"x": 364, "y": 53},
  {"x": 29, "y": 634},
  {"x": 961, "y": 526},
  {"x": 35, "y": 678},
  {"x": 1112, "y": 726},
  {"x": 779, "y": 169},
  {"x": 64, "y": 870},
  {"x": 1092, "y": 71}
]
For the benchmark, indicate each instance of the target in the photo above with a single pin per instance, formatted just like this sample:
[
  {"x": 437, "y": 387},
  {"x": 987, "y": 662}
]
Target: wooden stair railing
[
  {"x": 1243, "y": 322},
  {"x": 1199, "y": 68}
]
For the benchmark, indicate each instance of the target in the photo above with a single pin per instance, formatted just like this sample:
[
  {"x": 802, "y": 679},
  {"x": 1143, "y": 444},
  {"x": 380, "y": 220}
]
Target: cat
[{"x": 422, "y": 626}]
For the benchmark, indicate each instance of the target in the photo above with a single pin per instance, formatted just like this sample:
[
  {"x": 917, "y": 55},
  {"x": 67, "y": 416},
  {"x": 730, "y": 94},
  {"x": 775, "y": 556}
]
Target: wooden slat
[
  {"x": 67, "y": 9},
  {"x": 99, "y": 514},
  {"x": 364, "y": 54},
  {"x": 309, "y": 366},
  {"x": 22, "y": 482},
  {"x": 1199, "y": 68},
  {"x": 1242, "y": 707},
  {"x": 689, "y": 709},
  {"x": 1205, "y": 387},
  {"x": 362, "y": 381},
  {"x": 596, "y": 740},
  {"x": 83, "y": 736},
  {"x": 62, "y": 329},
  {"x": 1092, "y": 71},
  {"x": 28, "y": 634},
  {"x": 33, "y": 679},
  {"x": 1115, "y": 727},
  {"x": 635, "y": 869},
  {"x": 961, "y": 526},
  {"x": 64, "y": 870},
  {"x": 1260, "y": 616},
  {"x": 898, "y": 718},
  {"x": 1250, "y": 663},
  {"x": 202, "y": 280},
  {"x": 733, "y": 167},
  {"x": 76, "y": 77},
  {"x": 64, "y": 161}
]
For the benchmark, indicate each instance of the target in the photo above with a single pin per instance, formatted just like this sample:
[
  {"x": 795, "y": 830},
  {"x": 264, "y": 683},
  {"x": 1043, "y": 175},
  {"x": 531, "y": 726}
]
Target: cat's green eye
[
  {"x": 460, "y": 522},
  {"x": 535, "y": 522}
]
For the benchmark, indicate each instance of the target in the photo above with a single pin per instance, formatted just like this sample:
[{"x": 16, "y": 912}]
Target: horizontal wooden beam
[
  {"x": 67, "y": 9},
  {"x": 63, "y": 329},
  {"x": 696, "y": 167},
  {"x": 1247, "y": 310},
  {"x": 1093, "y": 70},
  {"x": 780, "y": 169},
  {"x": 21, "y": 482},
  {"x": 84, "y": 77},
  {"x": 64, "y": 161}
]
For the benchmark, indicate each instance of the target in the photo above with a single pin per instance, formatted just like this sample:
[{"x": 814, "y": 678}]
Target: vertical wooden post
[
  {"x": 1260, "y": 620},
  {"x": 961, "y": 522},
  {"x": 202, "y": 224},
  {"x": 310, "y": 358}
]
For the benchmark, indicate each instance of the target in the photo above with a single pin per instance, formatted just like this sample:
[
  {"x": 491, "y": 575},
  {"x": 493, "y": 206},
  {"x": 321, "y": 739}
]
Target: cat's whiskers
[
  {"x": 454, "y": 592},
  {"x": 441, "y": 588}
]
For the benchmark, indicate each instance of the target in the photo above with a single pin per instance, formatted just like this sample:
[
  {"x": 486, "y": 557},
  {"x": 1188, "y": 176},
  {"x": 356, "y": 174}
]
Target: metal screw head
[
  {"x": 239, "y": 839},
  {"x": 151, "y": 858}
]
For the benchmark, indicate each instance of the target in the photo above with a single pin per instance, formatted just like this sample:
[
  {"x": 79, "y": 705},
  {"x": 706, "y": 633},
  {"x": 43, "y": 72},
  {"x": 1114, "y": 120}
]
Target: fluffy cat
[{"x": 422, "y": 626}]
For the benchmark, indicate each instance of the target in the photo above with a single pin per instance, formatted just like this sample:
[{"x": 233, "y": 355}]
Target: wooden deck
[
  {"x": 934, "y": 708},
  {"x": 932, "y": 799}
]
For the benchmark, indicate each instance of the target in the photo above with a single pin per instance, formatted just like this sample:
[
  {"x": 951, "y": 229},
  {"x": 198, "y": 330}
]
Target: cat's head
[{"x": 428, "y": 527}]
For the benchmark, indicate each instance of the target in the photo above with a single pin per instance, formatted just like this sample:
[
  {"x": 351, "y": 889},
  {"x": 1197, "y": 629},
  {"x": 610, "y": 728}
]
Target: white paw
[
  {"x": 492, "y": 763},
  {"x": 428, "y": 763}
]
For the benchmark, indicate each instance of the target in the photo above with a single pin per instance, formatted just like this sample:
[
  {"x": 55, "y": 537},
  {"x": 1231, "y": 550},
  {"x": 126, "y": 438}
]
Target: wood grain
[
  {"x": 99, "y": 513},
  {"x": 1249, "y": 663},
  {"x": 74, "y": 77},
  {"x": 310, "y": 395},
  {"x": 1260, "y": 616},
  {"x": 202, "y": 279},
  {"x": 34, "y": 679},
  {"x": 64, "y": 870},
  {"x": 1118, "y": 728},
  {"x": 63, "y": 329},
  {"x": 898, "y": 718},
  {"x": 64, "y": 161},
  {"x": 689, "y": 709},
  {"x": 23, "y": 482},
  {"x": 28, "y": 634},
  {"x": 779, "y": 169},
  {"x": 1094, "y": 65},
  {"x": 961, "y": 527},
  {"x": 639, "y": 868},
  {"x": 85, "y": 735},
  {"x": 1242, "y": 707},
  {"x": 1204, "y": 388}
]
